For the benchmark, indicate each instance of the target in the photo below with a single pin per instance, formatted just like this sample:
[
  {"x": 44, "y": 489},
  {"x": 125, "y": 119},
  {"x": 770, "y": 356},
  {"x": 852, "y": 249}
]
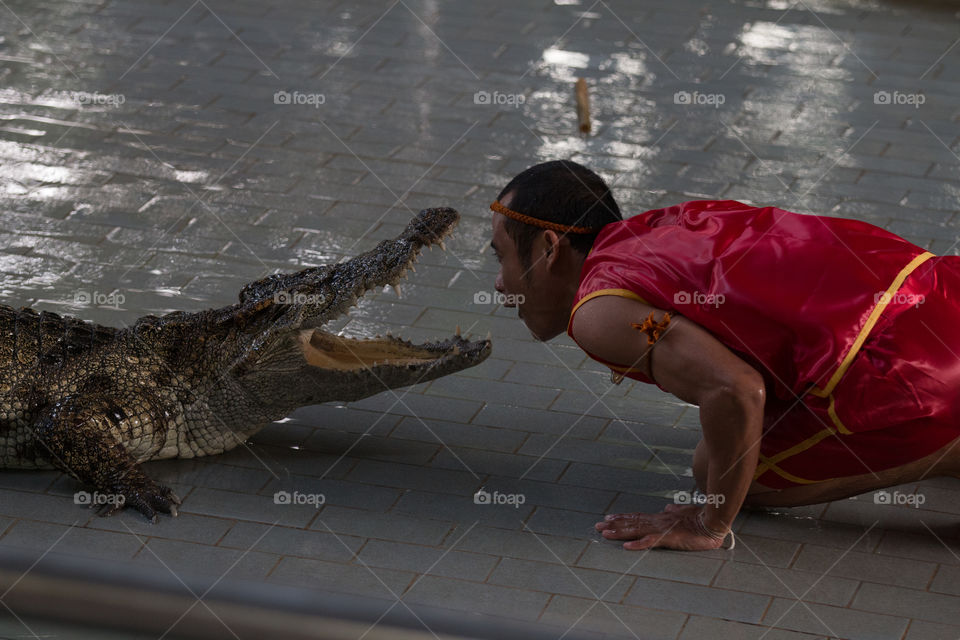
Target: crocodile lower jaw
[{"x": 330, "y": 351}]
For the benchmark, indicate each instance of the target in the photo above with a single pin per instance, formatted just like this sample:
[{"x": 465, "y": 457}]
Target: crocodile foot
[{"x": 144, "y": 495}]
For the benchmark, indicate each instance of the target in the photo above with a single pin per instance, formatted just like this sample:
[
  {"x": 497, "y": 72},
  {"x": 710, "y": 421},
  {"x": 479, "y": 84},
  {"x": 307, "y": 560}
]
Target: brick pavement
[{"x": 176, "y": 177}]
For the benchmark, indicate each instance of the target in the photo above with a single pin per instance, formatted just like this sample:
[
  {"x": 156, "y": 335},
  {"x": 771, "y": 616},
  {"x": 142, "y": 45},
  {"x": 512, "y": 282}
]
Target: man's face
[{"x": 536, "y": 292}]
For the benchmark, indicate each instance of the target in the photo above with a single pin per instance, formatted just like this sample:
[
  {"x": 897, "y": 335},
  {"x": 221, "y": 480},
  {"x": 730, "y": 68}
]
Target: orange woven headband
[{"x": 537, "y": 222}]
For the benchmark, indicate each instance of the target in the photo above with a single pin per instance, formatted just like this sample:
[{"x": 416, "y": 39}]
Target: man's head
[{"x": 540, "y": 267}]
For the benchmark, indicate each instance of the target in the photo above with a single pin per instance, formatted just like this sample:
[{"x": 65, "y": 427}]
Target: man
[{"x": 822, "y": 352}]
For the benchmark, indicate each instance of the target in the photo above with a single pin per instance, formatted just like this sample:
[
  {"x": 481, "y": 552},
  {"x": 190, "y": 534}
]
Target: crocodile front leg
[{"x": 77, "y": 435}]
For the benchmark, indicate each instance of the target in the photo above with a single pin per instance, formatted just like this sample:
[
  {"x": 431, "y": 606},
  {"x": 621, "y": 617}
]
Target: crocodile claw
[
  {"x": 147, "y": 497},
  {"x": 152, "y": 499}
]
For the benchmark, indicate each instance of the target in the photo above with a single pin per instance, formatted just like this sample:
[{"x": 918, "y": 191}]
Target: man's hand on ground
[{"x": 675, "y": 528}]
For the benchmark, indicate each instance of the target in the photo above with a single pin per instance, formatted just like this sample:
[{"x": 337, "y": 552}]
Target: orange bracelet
[{"x": 652, "y": 328}]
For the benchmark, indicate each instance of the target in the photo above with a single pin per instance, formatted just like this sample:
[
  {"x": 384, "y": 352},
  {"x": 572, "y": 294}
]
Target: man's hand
[
  {"x": 692, "y": 364},
  {"x": 675, "y": 528}
]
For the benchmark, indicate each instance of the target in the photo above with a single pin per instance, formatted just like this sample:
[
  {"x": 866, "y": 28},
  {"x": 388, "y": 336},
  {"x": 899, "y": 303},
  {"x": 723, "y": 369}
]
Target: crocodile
[{"x": 95, "y": 401}]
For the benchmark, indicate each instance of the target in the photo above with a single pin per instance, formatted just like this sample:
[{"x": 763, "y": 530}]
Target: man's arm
[{"x": 690, "y": 363}]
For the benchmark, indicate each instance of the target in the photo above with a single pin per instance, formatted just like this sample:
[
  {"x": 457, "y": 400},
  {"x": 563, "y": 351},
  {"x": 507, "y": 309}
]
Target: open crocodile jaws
[{"x": 95, "y": 401}]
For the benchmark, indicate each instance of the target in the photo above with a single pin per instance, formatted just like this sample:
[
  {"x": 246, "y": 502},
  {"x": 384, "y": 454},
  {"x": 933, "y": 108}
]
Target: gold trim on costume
[
  {"x": 623, "y": 293},
  {"x": 871, "y": 321},
  {"x": 770, "y": 463}
]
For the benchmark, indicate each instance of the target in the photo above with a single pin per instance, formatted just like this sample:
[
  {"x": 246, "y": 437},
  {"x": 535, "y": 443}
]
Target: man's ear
[
  {"x": 554, "y": 244},
  {"x": 551, "y": 246}
]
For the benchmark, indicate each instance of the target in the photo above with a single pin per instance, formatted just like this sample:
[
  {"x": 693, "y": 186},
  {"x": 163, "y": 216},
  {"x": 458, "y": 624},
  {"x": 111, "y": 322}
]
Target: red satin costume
[{"x": 855, "y": 330}]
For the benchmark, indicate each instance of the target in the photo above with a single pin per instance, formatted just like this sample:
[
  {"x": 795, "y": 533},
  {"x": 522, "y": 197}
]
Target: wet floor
[{"x": 158, "y": 156}]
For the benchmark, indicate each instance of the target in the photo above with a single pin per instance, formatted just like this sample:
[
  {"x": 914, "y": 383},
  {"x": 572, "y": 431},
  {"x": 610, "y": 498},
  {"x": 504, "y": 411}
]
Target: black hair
[{"x": 560, "y": 191}]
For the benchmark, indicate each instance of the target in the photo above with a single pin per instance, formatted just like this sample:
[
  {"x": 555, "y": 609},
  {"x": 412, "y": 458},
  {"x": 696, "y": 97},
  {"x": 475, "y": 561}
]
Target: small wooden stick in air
[{"x": 583, "y": 105}]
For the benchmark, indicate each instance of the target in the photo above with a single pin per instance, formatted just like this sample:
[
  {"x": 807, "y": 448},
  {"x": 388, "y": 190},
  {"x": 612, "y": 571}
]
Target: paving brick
[
  {"x": 382, "y": 526},
  {"x": 680, "y": 596},
  {"x": 565, "y": 522},
  {"x": 369, "y": 582},
  {"x": 865, "y": 566},
  {"x": 477, "y": 598},
  {"x": 700, "y": 627},
  {"x": 756, "y": 550},
  {"x": 28, "y": 480},
  {"x": 625, "y": 480},
  {"x": 923, "y": 630},
  {"x": 185, "y": 559},
  {"x": 580, "y": 614},
  {"x": 208, "y": 473},
  {"x": 927, "y": 546},
  {"x": 48, "y": 508},
  {"x": 862, "y": 511},
  {"x": 946, "y": 581},
  {"x": 630, "y": 454},
  {"x": 500, "y": 464},
  {"x": 341, "y": 417},
  {"x": 462, "y": 509},
  {"x": 186, "y": 527},
  {"x": 455, "y": 434},
  {"x": 521, "y": 544},
  {"x": 428, "y": 560},
  {"x": 240, "y": 506},
  {"x": 525, "y": 419},
  {"x": 287, "y": 541},
  {"x": 561, "y": 579},
  {"x": 415, "y": 477},
  {"x": 370, "y": 446},
  {"x": 319, "y": 491},
  {"x": 43, "y": 537},
  {"x": 797, "y": 529},
  {"x": 419, "y": 406},
  {"x": 832, "y": 621},
  {"x": 908, "y": 603},
  {"x": 787, "y": 583},
  {"x": 672, "y": 565},
  {"x": 504, "y": 392}
]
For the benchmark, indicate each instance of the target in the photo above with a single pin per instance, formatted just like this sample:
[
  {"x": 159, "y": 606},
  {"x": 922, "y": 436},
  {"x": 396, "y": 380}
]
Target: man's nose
[{"x": 498, "y": 284}]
